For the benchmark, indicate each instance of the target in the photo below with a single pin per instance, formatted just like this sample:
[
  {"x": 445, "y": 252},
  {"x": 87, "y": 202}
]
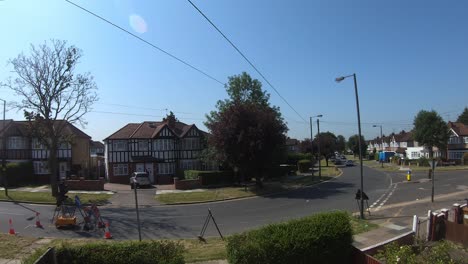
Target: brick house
[
  {"x": 458, "y": 142},
  {"x": 161, "y": 148},
  {"x": 18, "y": 145}
]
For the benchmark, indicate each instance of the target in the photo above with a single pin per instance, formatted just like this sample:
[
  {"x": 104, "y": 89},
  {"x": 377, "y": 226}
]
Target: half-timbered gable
[{"x": 160, "y": 148}]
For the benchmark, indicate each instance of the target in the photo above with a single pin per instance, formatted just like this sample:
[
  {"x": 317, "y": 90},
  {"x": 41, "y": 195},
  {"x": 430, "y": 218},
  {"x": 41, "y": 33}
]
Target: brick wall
[
  {"x": 186, "y": 184},
  {"x": 85, "y": 185}
]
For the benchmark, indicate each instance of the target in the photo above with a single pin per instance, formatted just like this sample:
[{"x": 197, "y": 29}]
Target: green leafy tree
[
  {"x": 353, "y": 145},
  {"x": 327, "y": 145},
  {"x": 463, "y": 117},
  {"x": 430, "y": 130},
  {"x": 246, "y": 132},
  {"x": 340, "y": 143},
  {"x": 52, "y": 93}
]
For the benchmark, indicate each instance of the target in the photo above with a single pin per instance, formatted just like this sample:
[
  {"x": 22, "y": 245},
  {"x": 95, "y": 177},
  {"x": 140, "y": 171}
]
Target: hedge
[
  {"x": 121, "y": 252},
  {"x": 19, "y": 173},
  {"x": 210, "y": 177},
  {"x": 303, "y": 165},
  {"x": 293, "y": 158},
  {"x": 321, "y": 238},
  {"x": 465, "y": 158}
]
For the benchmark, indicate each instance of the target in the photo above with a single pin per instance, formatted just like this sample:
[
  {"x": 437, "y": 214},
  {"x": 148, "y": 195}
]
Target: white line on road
[{"x": 3, "y": 212}]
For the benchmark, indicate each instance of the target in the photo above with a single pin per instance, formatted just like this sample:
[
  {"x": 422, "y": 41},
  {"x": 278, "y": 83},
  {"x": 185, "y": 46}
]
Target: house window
[
  {"x": 17, "y": 143},
  {"x": 164, "y": 144},
  {"x": 64, "y": 145},
  {"x": 194, "y": 143},
  {"x": 190, "y": 164},
  {"x": 166, "y": 168},
  {"x": 465, "y": 139},
  {"x": 120, "y": 169},
  {"x": 142, "y": 145},
  {"x": 119, "y": 145},
  {"x": 454, "y": 140},
  {"x": 40, "y": 167},
  {"x": 36, "y": 144}
]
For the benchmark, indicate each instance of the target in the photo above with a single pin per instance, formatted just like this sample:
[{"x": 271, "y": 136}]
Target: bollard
[{"x": 408, "y": 175}]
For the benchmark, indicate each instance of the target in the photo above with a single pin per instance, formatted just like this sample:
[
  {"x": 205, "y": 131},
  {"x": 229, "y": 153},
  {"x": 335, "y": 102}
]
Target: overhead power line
[
  {"x": 242, "y": 54},
  {"x": 147, "y": 42}
]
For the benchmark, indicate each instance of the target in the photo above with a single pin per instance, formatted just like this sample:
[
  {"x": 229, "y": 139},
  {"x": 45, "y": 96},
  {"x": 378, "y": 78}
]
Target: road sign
[{"x": 433, "y": 164}]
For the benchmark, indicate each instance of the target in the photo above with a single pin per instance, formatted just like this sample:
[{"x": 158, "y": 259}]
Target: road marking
[
  {"x": 386, "y": 195},
  {"x": 4, "y": 212}
]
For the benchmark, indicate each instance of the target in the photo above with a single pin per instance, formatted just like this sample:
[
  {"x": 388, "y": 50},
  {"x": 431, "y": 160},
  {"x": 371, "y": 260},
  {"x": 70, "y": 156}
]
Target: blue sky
[{"x": 408, "y": 56}]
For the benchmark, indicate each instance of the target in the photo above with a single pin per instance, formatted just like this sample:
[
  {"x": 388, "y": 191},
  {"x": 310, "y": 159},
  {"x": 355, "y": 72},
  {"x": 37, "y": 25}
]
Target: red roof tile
[{"x": 459, "y": 128}]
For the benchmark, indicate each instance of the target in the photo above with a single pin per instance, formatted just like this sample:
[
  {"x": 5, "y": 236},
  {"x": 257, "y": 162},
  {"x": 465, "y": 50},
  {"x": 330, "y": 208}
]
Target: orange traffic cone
[
  {"x": 107, "y": 234},
  {"x": 38, "y": 222},
  {"x": 12, "y": 230}
]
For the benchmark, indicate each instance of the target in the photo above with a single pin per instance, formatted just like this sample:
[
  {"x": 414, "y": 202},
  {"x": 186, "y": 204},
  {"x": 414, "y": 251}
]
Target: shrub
[
  {"x": 210, "y": 177},
  {"x": 122, "y": 252},
  {"x": 465, "y": 158},
  {"x": 423, "y": 161},
  {"x": 321, "y": 238},
  {"x": 303, "y": 165},
  {"x": 294, "y": 158},
  {"x": 376, "y": 156},
  {"x": 19, "y": 173}
]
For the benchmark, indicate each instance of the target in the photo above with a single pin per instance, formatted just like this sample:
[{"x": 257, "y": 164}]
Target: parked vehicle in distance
[
  {"x": 340, "y": 162},
  {"x": 141, "y": 178},
  {"x": 349, "y": 163}
]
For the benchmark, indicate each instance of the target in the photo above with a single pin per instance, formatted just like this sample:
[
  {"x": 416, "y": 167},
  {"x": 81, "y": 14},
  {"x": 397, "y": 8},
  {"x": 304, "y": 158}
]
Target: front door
[
  {"x": 149, "y": 169},
  {"x": 63, "y": 170},
  {"x": 140, "y": 167}
]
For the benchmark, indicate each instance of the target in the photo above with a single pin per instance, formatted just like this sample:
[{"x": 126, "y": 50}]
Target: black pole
[
  {"x": 136, "y": 207},
  {"x": 433, "y": 169},
  {"x": 381, "y": 138},
  {"x": 318, "y": 147},
  {"x": 4, "y": 176},
  {"x": 311, "y": 147},
  {"x": 359, "y": 142},
  {"x": 217, "y": 228}
]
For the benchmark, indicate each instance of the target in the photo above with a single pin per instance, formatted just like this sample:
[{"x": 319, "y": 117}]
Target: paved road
[{"x": 232, "y": 216}]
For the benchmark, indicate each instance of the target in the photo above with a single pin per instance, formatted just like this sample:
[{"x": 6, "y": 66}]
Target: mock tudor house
[
  {"x": 159, "y": 148},
  {"x": 73, "y": 156},
  {"x": 458, "y": 141}
]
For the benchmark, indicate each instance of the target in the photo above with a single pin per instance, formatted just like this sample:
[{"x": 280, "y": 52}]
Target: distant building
[
  {"x": 292, "y": 145},
  {"x": 20, "y": 146},
  {"x": 458, "y": 142},
  {"x": 160, "y": 148}
]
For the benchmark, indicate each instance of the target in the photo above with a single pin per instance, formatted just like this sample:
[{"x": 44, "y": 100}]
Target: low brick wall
[
  {"x": 186, "y": 184},
  {"x": 85, "y": 185}
]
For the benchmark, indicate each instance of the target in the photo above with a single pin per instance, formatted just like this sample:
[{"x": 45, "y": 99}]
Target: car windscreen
[{"x": 142, "y": 175}]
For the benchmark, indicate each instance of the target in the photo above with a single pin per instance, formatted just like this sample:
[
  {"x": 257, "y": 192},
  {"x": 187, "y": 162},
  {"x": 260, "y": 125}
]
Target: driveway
[{"x": 125, "y": 197}]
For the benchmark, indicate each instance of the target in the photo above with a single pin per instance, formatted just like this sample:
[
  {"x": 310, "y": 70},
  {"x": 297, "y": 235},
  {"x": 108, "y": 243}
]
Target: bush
[
  {"x": 321, "y": 238},
  {"x": 19, "y": 173},
  {"x": 294, "y": 158},
  {"x": 376, "y": 156},
  {"x": 303, "y": 165},
  {"x": 122, "y": 252},
  {"x": 210, "y": 177},
  {"x": 465, "y": 158},
  {"x": 423, "y": 161}
]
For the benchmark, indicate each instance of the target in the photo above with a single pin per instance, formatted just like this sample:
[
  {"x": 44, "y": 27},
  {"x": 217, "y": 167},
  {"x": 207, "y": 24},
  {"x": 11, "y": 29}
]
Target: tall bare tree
[{"x": 52, "y": 94}]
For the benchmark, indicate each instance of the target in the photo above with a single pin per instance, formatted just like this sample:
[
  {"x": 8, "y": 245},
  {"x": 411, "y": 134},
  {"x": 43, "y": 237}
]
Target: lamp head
[
  {"x": 339, "y": 79},
  {"x": 374, "y": 126},
  {"x": 319, "y": 115}
]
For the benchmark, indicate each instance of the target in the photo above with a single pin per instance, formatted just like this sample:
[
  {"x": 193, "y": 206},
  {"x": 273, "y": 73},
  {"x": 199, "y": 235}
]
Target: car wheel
[{"x": 131, "y": 186}]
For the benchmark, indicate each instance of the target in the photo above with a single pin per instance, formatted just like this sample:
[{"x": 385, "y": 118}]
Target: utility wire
[
  {"x": 147, "y": 42},
  {"x": 242, "y": 54},
  {"x": 129, "y": 114}
]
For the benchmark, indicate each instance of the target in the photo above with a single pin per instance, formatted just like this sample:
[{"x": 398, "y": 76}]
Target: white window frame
[
  {"x": 166, "y": 168},
  {"x": 16, "y": 142},
  {"x": 40, "y": 167},
  {"x": 143, "y": 145},
  {"x": 465, "y": 140},
  {"x": 119, "y": 145},
  {"x": 120, "y": 169}
]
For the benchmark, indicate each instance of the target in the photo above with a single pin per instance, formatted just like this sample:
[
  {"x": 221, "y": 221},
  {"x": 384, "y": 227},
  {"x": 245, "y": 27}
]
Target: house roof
[
  {"x": 150, "y": 129},
  {"x": 291, "y": 142},
  {"x": 97, "y": 144},
  {"x": 459, "y": 128},
  {"x": 22, "y": 127}
]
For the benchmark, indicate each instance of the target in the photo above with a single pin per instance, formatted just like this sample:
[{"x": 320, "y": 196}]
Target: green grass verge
[
  {"x": 226, "y": 193},
  {"x": 361, "y": 226},
  {"x": 46, "y": 197},
  {"x": 11, "y": 246}
]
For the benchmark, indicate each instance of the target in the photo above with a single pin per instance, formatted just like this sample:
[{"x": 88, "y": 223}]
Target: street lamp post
[
  {"x": 381, "y": 139},
  {"x": 318, "y": 148},
  {"x": 311, "y": 141},
  {"x": 339, "y": 79},
  {"x": 4, "y": 152}
]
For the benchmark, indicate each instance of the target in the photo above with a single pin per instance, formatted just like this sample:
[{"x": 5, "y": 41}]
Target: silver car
[{"x": 140, "y": 179}]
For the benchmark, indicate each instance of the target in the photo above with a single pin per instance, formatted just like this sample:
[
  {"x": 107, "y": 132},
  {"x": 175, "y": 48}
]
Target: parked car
[
  {"x": 340, "y": 162},
  {"x": 141, "y": 178},
  {"x": 349, "y": 163}
]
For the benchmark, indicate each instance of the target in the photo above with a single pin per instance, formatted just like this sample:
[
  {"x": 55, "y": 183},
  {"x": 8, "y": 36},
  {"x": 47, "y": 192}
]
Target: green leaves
[{"x": 430, "y": 130}]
